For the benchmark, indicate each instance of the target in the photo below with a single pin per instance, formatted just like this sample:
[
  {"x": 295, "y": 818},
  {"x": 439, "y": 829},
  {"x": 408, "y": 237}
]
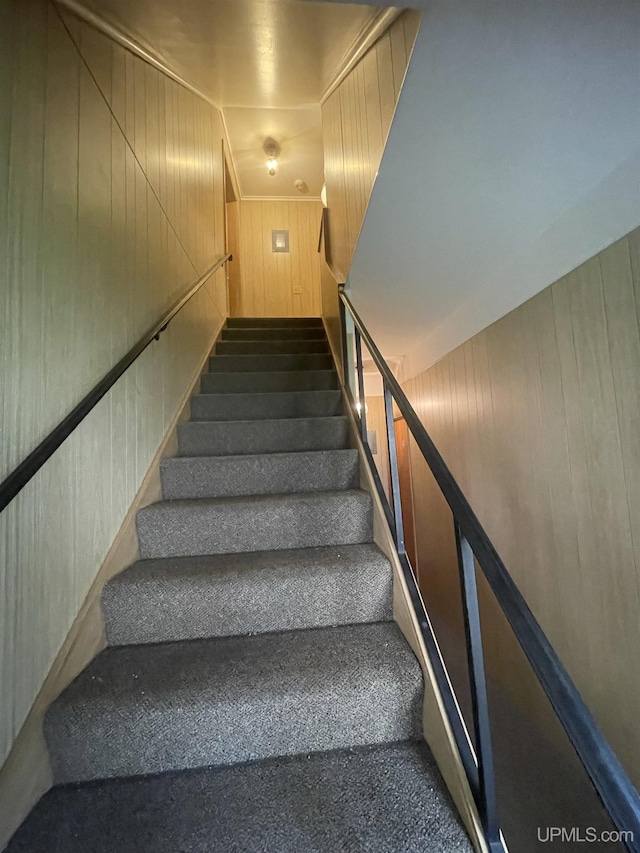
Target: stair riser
[
  {"x": 220, "y": 603},
  {"x": 286, "y": 473},
  {"x": 239, "y": 383},
  {"x": 273, "y": 322},
  {"x": 244, "y": 407},
  {"x": 253, "y": 363},
  {"x": 293, "y": 334},
  {"x": 204, "y": 438},
  {"x": 189, "y": 528},
  {"x": 272, "y": 347}
]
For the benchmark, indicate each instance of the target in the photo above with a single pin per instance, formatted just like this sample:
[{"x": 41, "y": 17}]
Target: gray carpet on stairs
[
  {"x": 259, "y": 474},
  {"x": 274, "y": 322},
  {"x": 224, "y": 438},
  {"x": 254, "y": 523},
  {"x": 246, "y": 407},
  {"x": 252, "y": 660},
  {"x": 272, "y": 347},
  {"x": 380, "y": 799},
  {"x": 147, "y": 709},
  {"x": 250, "y": 363},
  {"x": 277, "y": 380},
  {"x": 216, "y": 596},
  {"x": 294, "y": 333}
]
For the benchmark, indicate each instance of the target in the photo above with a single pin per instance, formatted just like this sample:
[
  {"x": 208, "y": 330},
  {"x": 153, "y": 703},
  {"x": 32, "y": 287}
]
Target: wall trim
[
  {"x": 26, "y": 773},
  {"x": 361, "y": 46},
  {"x": 314, "y": 198},
  {"x": 129, "y": 44}
]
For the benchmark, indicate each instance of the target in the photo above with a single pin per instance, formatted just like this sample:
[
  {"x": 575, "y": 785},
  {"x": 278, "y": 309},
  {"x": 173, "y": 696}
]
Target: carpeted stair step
[
  {"x": 253, "y": 363},
  {"x": 287, "y": 404},
  {"x": 254, "y": 523},
  {"x": 287, "y": 380},
  {"x": 273, "y": 322},
  {"x": 307, "y": 333},
  {"x": 186, "y": 598},
  {"x": 271, "y": 347},
  {"x": 186, "y": 477},
  {"x": 223, "y": 438},
  {"x": 148, "y": 709},
  {"x": 378, "y": 799}
]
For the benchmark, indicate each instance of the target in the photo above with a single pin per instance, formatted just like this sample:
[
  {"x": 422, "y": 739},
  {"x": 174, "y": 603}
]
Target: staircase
[{"x": 256, "y": 694}]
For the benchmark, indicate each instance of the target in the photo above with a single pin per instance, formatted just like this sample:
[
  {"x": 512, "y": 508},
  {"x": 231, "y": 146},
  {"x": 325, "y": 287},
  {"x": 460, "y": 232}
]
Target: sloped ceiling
[
  {"x": 514, "y": 156},
  {"x": 265, "y": 63}
]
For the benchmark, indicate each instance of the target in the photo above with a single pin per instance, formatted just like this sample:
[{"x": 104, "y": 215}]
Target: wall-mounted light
[{"x": 271, "y": 149}]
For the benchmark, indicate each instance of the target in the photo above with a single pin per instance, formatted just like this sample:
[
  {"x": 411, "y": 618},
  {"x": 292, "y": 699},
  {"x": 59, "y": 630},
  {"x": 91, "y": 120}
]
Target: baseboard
[{"x": 26, "y": 774}]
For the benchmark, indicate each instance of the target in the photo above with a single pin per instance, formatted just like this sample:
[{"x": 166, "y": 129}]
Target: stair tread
[
  {"x": 219, "y": 568},
  {"x": 324, "y": 802},
  {"x": 185, "y": 477},
  {"x": 224, "y": 667},
  {"x": 269, "y": 381},
  {"x": 270, "y": 363},
  {"x": 272, "y": 322},
  {"x": 255, "y": 592},
  {"x": 253, "y": 500},
  {"x": 254, "y": 523},
  {"x": 151, "y": 708},
  {"x": 304, "y": 333},
  {"x": 273, "y": 347},
  {"x": 263, "y": 405},
  {"x": 266, "y": 435}
]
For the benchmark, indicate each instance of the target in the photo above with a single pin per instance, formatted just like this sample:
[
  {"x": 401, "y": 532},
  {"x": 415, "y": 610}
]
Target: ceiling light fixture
[{"x": 271, "y": 149}]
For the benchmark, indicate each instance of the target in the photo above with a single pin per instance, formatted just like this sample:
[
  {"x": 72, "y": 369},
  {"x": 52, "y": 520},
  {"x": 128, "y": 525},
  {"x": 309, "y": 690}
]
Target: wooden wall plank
[
  {"x": 267, "y": 278},
  {"x": 539, "y": 416},
  {"x": 356, "y": 120},
  {"x": 99, "y": 240}
]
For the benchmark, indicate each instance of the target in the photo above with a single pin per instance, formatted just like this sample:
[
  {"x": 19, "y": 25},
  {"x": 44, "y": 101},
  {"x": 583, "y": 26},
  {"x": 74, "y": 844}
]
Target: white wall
[
  {"x": 513, "y": 157},
  {"x": 111, "y": 205}
]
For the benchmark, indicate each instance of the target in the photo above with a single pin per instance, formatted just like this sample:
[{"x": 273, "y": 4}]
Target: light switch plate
[{"x": 279, "y": 241}]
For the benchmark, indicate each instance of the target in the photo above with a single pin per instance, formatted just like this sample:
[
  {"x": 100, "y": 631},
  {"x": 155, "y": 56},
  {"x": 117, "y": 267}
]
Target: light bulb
[{"x": 272, "y": 165}]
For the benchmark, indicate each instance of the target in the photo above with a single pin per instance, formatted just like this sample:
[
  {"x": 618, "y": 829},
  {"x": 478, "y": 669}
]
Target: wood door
[{"x": 406, "y": 491}]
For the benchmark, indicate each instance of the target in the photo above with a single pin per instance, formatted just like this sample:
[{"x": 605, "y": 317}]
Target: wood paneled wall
[
  {"x": 538, "y": 417},
  {"x": 111, "y": 205},
  {"x": 267, "y": 278},
  {"x": 355, "y": 122}
]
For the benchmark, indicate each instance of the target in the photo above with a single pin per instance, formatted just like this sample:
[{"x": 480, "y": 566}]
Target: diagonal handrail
[
  {"x": 617, "y": 793},
  {"x": 30, "y": 466}
]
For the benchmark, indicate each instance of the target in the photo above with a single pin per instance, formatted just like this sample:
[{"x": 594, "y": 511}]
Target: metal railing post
[
  {"x": 343, "y": 335},
  {"x": 361, "y": 397},
  {"x": 487, "y": 805},
  {"x": 393, "y": 469}
]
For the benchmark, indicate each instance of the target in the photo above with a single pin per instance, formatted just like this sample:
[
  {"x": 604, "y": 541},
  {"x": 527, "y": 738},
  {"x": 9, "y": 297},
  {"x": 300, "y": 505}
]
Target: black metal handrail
[
  {"x": 609, "y": 779},
  {"x": 27, "y": 469}
]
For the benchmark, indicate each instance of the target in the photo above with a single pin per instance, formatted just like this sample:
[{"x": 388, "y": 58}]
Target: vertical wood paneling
[
  {"x": 267, "y": 278},
  {"x": 541, "y": 429},
  {"x": 113, "y": 206},
  {"x": 356, "y": 119}
]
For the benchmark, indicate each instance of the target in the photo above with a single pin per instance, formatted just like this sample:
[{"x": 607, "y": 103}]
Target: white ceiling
[
  {"x": 265, "y": 63},
  {"x": 299, "y": 134}
]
